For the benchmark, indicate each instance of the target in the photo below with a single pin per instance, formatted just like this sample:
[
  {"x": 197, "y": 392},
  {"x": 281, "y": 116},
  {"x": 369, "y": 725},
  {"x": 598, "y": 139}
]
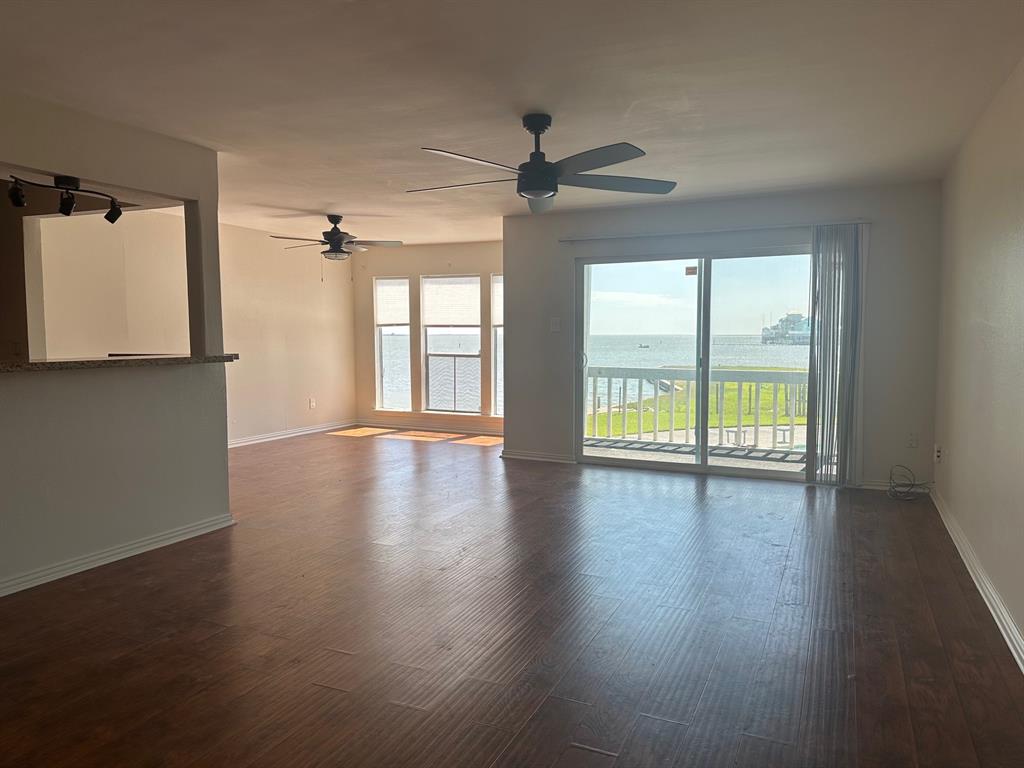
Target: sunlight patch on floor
[
  {"x": 480, "y": 440},
  {"x": 361, "y": 432},
  {"x": 423, "y": 436}
]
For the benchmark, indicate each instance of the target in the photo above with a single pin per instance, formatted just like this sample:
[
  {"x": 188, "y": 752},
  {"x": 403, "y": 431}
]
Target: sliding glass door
[
  {"x": 758, "y": 362},
  {"x": 700, "y": 362},
  {"x": 641, "y": 347}
]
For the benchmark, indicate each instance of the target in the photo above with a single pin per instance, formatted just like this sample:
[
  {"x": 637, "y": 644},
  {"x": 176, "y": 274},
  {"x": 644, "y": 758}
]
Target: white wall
[
  {"x": 289, "y": 315},
  {"x": 96, "y": 464},
  {"x": 414, "y": 262},
  {"x": 899, "y": 324},
  {"x": 114, "y": 288},
  {"x": 979, "y": 416}
]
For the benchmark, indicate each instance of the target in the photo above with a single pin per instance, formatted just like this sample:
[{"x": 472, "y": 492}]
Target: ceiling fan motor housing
[{"x": 537, "y": 178}]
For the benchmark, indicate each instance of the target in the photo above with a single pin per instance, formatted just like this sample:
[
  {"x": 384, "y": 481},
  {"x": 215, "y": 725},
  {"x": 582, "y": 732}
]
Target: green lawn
[{"x": 731, "y": 410}]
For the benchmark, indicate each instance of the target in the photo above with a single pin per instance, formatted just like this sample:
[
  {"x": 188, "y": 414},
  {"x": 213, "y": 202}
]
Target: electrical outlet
[
  {"x": 312, "y": 403},
  {"x": 912, "y": 440},
  {"x": 938, "y": 453}
]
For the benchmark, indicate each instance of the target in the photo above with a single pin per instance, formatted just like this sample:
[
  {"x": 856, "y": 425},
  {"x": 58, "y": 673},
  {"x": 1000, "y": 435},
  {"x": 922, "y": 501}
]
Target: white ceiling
[{"x": 322, "y": 105}]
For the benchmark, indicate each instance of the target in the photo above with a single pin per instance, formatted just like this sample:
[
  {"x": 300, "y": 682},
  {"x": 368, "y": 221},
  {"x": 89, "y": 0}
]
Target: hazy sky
[{"x": 657, "y": 297}]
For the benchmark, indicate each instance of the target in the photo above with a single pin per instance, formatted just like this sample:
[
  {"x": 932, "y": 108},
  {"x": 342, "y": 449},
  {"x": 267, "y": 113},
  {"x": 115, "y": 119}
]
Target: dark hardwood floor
[{"x": 396, "y": 603}]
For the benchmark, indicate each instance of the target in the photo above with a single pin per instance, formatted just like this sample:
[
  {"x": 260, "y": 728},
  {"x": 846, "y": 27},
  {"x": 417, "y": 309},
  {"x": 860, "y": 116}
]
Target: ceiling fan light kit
[
  {"x": 340, "y": 245},
  {"x": 537, "y": 179}
]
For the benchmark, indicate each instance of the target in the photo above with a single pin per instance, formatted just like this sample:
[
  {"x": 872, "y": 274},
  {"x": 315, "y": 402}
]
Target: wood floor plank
[
  {"x": 606, "y": 724},
  {"x": 712, "y": 737},
  {"x": 541, "y": 742},
  {"x": 651, "y": 743},
  {"x": 368, "y": 610}
]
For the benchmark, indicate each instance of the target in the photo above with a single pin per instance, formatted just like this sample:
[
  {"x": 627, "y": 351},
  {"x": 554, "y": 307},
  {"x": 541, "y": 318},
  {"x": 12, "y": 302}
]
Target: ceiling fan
[
  {"x": 340, "y": 245},
  {"x": 537, "y": 179}
]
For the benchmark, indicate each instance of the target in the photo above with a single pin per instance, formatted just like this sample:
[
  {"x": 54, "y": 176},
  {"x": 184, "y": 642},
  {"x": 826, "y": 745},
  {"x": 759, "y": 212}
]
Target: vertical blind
[
  {"x": 837, "y": 257},
  {"x": 391, "y": 300},
  {"x": 451, "y": 301}
]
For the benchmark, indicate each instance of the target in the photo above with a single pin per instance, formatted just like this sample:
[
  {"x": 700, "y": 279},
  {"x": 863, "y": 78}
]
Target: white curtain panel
[{"x": 838, "y": 253}]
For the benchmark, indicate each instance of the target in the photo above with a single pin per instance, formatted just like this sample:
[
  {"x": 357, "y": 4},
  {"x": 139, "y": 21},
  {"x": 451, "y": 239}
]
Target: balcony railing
[{"x": 752, "y": 414}]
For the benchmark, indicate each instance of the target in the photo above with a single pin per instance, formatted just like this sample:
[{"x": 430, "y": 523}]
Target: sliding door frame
[{"x": 705, "y": 271}]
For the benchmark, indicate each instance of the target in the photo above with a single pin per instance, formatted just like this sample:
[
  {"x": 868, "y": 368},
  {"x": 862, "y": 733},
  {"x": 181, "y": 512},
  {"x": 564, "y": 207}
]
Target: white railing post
[
  {"x": 622, "y": 407},
  {"x": 689, "y": 388},
  {"x": 608, "y": 408},
  {"x": 657, "y": 388},
  {"x": 721, "y": 413},
  {"x": 672, "y": 411},
  {"x": 639, "y": 409},
  {"x": 593, "y": 406},
  {"x": 792, "y": 416},
  {"x": 775, "y": 415},
  {"x": 757, "y": 413}
]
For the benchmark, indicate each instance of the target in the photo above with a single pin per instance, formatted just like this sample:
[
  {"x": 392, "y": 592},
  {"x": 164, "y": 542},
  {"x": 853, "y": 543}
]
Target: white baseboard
[
  {"x": 1007, "y": 626},
  {"x": 38, "y": 576},
  {"x": 874, "y": 485},
  {"x": 558, "y": 458},
  {"x": 288, "y": 433}
]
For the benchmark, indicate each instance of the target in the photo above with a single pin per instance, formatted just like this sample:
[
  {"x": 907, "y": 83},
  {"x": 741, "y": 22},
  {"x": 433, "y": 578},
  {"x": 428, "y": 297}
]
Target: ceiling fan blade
[
  {"x": 307, "y": 245},
  {"x": 304, "y": 239},
  {"x": 352, "y": 246},
  {"x": 376, "y": 243},
  {"x": 468, "y": 159},
  {"x": 540, "y": 204},
  {"x": 619, "y": 184},
  {"x": 598, "y": 158},
  {"x": 457, "y": 186}
]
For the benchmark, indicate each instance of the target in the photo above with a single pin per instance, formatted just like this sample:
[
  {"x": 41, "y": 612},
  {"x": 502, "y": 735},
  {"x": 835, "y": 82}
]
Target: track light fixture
[
  {"x": 114, "y": 213},
  {"x": 67, "y": 203},
  {"x": 16, "y": 194},
  {"x": 64, "y": 185}
]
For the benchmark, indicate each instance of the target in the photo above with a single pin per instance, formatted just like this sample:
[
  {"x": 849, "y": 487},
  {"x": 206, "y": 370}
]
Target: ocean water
[
  {"x": 454, "y": 383},
  {"x": 726, "y": 352}
]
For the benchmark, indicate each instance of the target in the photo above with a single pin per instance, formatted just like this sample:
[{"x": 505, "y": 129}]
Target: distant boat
[
  {"x": 643, "y": 346},
  {"x": 794, "y": 328}
]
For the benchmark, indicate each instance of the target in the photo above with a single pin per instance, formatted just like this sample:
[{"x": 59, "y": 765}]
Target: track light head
[
  {"x": 67, "y": 203},
  {"x": 114, "y": 213},
  {"x": 16, "y": 194}
]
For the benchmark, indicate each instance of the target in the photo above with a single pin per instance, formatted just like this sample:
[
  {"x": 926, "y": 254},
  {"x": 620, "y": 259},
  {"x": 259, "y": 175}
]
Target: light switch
[{"x": 556, "y": 324}]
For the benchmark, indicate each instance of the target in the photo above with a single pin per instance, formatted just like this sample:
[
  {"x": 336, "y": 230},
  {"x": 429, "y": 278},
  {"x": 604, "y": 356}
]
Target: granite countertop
[{"x": 15, "y": 366}]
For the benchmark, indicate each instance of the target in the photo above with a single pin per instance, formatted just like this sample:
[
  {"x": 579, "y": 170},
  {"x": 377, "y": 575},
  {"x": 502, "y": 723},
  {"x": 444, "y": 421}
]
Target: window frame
[
  {"x": 494, "y": 347},
  {"x": 378, "y": 335},
  {"x": 427, "y": 354}
]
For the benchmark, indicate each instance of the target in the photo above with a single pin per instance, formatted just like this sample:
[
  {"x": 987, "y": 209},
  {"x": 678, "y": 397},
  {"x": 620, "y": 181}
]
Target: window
[
  {"x": 498, "y": 344},
  {"x": 391, "y": 315},
  {"x": 451, "y": 324}
]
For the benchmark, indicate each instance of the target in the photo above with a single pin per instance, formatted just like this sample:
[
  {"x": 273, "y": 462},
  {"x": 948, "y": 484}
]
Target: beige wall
[
  {"x": 98, "y": 464},
  {"x": 114, "y": 288},
  {"x": 899, "y": 323},
  {"x": 979, "y": 418},
  {"x": 288, "y": 314},
  {"x": 414, "y": 262}
]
